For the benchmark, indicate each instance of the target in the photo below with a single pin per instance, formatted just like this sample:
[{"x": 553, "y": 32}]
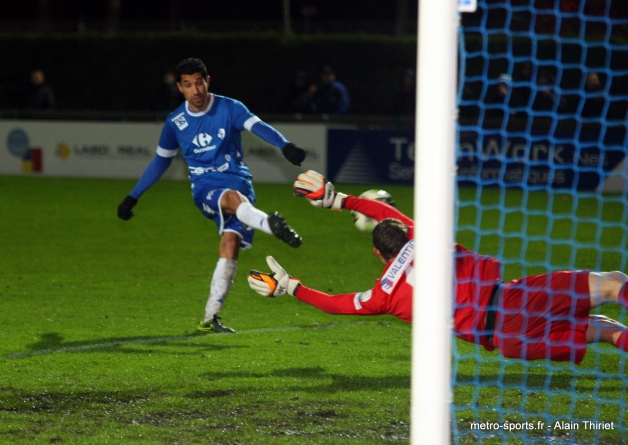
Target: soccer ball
[{"x": 364, "y": 223}]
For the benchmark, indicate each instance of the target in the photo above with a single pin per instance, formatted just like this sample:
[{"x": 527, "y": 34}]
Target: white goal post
[{"x": 435, "y": 126}]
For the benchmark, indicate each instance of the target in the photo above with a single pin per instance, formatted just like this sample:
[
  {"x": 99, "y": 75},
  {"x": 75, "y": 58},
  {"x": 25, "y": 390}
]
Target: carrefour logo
[{"x": 202, "y": 140}]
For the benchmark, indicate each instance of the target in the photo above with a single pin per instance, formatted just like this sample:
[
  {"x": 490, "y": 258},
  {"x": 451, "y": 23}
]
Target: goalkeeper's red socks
[
  {"x": 622, "y": 298},
  {"x": 622, "y": 341}
]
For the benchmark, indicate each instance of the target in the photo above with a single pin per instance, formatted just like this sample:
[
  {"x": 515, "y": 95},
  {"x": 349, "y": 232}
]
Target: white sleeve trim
[
  {"x": 250, "y": 122},
  {"x": 166, "y": 153},
  {"x": 356, "y": 302}
]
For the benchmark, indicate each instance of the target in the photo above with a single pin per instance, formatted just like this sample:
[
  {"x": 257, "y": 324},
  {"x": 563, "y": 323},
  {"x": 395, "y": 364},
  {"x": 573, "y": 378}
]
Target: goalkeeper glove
[
  {"x": 321, "y": 193},
  {"x": 293, "y": 153},
  {"x": 125, "y": 211},
  {"x": 273, "y": 284}
]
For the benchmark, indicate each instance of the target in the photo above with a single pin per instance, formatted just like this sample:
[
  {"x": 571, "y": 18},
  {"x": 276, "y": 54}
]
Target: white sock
[
  {"x": 253, "y": 217},
  {"x": 222, "y": 279}
]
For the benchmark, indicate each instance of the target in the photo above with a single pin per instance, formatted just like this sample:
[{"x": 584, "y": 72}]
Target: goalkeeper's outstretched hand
[
  {"x": 274, "y": 284},
  {"x": 318, "y": 190},
  {"x": 125, "y": 211}
]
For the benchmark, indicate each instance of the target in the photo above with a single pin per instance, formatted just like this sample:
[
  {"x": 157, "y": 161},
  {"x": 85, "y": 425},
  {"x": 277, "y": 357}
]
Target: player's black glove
[
  {"x": 125, "y": 211},
  {"x": 294, "y": 153}
]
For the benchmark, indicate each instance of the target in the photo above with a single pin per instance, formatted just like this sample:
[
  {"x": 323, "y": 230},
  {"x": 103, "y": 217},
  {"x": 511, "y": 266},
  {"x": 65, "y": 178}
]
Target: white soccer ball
[{"x": 364, "y": 223}]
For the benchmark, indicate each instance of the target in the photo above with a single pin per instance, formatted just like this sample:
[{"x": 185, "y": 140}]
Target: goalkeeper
[{"x": 536, "y": 317}]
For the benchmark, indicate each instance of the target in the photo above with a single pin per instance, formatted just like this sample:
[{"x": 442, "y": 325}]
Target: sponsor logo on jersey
[
  {"x": 202, "y": 140},
  {"x": 397, "y": 267},
  {"x": 179, "y": 121},
  {"x": 365, "y": 296},
  {"x": 203, "y": 150},
  {"x": 201, "y": 170}
]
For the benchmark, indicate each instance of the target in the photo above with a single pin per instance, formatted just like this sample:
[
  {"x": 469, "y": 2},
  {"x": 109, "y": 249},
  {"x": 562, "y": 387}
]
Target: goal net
[{"x": 542, "y": 181}]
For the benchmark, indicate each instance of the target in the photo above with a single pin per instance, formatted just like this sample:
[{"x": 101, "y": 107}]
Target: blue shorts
[{"x": 207, "y": 199}]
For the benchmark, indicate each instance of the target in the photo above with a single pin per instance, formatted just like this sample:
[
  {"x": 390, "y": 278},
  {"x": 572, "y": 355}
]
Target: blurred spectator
[
  {"x": 569, "y": 5},
  {"x": 470, "y": 102},
  {"x": 167, "y": 97},
  {"x": 297, "y": 99},
  {"x": 503, "y": 100},
  {"x": 331, "y": 96},
  {"x": 546, "y": 97},
  {"x": 405, "y": 101},
  {"x": 594, "y": 96},
  {"x": 41, "y": 96},
  {"x": 524, "y": 78}
]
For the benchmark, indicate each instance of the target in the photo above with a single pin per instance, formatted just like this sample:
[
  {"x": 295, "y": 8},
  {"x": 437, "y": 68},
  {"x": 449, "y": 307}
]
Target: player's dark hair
[
  {"x": 190, "y": 66},
  {"x": 389, "y": 236}
]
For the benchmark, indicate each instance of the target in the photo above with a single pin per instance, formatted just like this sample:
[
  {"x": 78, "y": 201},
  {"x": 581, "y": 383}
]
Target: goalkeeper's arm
[
  {"x": 343, "y": 304},
  {"x": 375, "y": 209},
  {"x": 321, "y": 193},
  {"x": 318, "y": 190},
  {"x": 278, "y": 283}
]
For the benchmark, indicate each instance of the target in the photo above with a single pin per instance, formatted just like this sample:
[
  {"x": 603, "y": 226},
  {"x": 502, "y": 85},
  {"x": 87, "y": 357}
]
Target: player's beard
[{"x": 198, "y": 101}]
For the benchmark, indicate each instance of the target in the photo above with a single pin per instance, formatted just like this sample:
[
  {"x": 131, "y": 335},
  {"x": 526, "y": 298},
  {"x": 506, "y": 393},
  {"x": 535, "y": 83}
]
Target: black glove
[
  {"x": 124, "y": 209},
  {"x": 294, "y": 153}
]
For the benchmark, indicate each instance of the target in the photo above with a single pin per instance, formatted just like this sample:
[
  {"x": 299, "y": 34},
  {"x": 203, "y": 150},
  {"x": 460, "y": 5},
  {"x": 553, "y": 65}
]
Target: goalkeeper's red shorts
[{"x": 544, "y": 317}]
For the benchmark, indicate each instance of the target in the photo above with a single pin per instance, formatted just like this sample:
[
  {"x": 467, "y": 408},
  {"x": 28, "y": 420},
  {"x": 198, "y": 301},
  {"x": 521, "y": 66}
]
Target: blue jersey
[
  {"x": 211, "y": 144},
  {"x": 210, "y": 140}
]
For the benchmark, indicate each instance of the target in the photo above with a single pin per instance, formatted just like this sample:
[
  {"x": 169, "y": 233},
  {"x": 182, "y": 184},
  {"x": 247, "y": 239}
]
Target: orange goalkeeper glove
[
  {"x": 274, "y": 284},
  {"x": 318, "y": 190}
]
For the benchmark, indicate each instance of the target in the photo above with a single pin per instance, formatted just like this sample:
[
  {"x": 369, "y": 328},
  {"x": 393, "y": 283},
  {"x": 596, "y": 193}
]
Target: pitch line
[{"x": 148, "y": 341}]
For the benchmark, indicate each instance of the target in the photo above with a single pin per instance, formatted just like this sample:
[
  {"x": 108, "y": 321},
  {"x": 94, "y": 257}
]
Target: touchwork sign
[
  {"x": 537, "y": 161},
  {"x": 593, "y": 160}
]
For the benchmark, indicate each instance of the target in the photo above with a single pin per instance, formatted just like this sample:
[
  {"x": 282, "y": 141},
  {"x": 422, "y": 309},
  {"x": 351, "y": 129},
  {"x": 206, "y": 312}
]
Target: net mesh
[{"x": 543, "y": 93}]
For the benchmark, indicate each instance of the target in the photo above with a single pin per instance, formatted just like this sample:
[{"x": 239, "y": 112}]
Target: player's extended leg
[
  {"x": 606, "y": 330},
  {"x": 608, "y": 287},
  {"x": 222, "y": 280},
  {"x": 234, "y": 203}
]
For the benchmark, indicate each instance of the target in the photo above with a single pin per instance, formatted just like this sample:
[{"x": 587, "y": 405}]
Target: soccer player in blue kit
[{"x": 207, "y": 128}]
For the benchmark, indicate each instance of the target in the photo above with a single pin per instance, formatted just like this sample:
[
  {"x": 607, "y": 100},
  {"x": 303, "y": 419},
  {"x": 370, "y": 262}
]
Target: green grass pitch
[{"x": 97, "y": 320}]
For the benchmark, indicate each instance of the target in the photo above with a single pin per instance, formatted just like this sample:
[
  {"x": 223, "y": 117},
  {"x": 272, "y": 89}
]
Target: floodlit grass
[{"x": 97, "y": 319}]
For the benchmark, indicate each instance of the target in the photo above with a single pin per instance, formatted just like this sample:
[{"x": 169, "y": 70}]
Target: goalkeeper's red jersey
[
  {"x": 476, "y": 277},
  {"x": 392, "y": 293}
]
